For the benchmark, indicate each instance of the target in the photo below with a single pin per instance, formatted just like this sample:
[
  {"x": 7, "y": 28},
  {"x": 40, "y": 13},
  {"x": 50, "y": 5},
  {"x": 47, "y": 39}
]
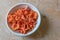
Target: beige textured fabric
[{"x": 50, "y": 26}]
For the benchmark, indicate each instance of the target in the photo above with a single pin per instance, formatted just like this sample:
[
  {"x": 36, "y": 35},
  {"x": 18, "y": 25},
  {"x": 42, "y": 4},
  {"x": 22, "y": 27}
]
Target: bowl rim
[{"x": 35, "y": 26}]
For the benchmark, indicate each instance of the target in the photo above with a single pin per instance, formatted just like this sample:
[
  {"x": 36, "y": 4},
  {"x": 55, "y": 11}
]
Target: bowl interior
[{"x": 22, "y": 5}]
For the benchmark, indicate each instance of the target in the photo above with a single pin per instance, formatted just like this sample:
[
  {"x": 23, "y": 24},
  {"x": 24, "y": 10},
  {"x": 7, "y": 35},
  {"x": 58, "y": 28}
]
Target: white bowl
[{"x": 33, "y": 8}]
